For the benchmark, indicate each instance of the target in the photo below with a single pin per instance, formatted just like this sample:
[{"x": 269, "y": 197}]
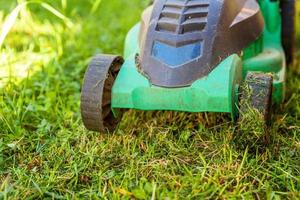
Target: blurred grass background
[{"x": 46, "y": 153}]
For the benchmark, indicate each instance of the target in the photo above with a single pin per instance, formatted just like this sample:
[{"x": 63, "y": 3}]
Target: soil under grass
[{"x": 45, "y": 152}]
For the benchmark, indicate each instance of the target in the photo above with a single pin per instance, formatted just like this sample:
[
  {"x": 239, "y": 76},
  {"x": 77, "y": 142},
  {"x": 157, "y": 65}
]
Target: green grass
[{"x": 45, "y": 152}]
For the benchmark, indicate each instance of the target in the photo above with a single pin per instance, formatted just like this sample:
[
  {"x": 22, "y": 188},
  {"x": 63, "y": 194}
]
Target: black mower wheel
[
  {"x": 288, "y": 15},
  {"x": 256, "y": 99},
  {"x": 96, "y": 93}
]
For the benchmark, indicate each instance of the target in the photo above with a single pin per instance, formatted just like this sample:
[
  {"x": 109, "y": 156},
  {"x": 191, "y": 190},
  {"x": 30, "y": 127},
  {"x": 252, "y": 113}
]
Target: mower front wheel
[
  {"x": 96, "y": 92},
  {"x": 256, "y": 100}
]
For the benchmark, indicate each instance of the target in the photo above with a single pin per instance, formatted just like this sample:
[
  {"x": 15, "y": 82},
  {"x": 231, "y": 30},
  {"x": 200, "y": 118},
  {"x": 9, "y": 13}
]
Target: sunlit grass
[{"x": 26, "y": 44}]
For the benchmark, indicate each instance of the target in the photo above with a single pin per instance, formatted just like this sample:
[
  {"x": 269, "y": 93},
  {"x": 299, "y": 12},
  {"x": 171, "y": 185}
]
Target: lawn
[{"x": 45, "y": 152}]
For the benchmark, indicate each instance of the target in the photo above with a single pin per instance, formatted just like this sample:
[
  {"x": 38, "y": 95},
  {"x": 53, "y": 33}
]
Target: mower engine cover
[{"x": 182, "y": 41}]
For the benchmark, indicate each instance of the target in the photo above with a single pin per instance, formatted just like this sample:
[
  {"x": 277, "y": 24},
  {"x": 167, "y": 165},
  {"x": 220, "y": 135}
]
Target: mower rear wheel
[
  {"x": 99, "y": 78},
  {"x": 288, "y": 14},
  {"x": 256, "y": 99}
]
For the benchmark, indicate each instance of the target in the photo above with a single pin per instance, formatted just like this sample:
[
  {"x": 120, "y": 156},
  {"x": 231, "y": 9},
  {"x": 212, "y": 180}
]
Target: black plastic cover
[{"x": 184, "y": 40}]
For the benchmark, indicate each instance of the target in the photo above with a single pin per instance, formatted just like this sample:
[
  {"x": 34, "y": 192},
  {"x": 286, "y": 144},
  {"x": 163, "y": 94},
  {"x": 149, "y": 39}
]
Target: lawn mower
[{"x": 195, "y": 56}]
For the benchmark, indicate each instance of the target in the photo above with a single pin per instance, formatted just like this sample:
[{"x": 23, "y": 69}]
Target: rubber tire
[
  {"x": 96, "y": 93},
  {"x": 260, "y": 97},
  {"x": 288, "y": 15}
]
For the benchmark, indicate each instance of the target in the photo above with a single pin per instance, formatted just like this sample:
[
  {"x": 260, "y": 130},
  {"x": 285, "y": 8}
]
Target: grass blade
[
  {"x": 95, "y": 6},
  {"x": 57, "y": 14},
  {"x": 9, "y": 22}
]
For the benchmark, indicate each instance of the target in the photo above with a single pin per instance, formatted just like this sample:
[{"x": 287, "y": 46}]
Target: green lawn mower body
[{"x": 182, "y": 58}]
